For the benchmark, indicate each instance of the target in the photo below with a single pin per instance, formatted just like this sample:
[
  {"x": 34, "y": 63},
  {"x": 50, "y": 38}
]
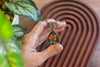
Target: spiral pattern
[{"x": 80, "y": 37}]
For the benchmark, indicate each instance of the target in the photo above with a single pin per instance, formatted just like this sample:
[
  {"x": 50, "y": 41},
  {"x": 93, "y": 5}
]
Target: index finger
[
  {"x": 61, "y": 24},
  {"x": 38, "y": 28}
]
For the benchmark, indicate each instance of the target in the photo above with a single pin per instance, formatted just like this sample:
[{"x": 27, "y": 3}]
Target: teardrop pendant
[{"x": 53, "y": 38}]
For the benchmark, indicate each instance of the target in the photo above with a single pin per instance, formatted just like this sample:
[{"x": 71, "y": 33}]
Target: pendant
[{"x": 53, "y": 37}]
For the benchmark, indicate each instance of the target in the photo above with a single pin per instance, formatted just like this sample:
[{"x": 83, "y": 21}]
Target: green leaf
[
  {"x": 18, "y": 31},
  {"x": 19, "y": 43},
  {"x": 11, "y": 46},
  {"x": 8, "y": 45},
  {"x": 1, "y": 50},
  {"x": 11, "y": 60},
  {"x": 6, "y": 30},
  {"x": 3, "y": 61},
  {"x": 25, "y": 8}
]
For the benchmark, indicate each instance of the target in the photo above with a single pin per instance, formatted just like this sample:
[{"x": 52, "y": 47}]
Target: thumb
[
  {"x": 49, "y": 52},
  {"x": 52, "y": 50}
]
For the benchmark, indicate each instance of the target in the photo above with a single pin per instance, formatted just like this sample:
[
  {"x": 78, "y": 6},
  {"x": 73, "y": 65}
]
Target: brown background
[{"x": 95, "y": 4}]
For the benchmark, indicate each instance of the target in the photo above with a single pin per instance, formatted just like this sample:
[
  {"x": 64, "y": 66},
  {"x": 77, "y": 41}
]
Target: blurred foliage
[
  {"x": 10, "y": 54},
  {"x": 6, "y": 30},
  {"x": 8, "y": 14},
  {"x": 11, "y": 59}
]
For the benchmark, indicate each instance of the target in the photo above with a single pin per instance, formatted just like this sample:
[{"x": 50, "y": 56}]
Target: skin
[{"x": 35, "y": 38}]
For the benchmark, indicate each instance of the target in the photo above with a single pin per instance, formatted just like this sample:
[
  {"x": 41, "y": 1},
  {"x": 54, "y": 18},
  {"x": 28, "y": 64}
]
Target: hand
[{"x": 36, "y": 37}]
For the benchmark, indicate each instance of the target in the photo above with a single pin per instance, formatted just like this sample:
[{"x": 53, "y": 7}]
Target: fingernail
[
  {"x": 64, "y": 22},
  {"x": 51, "y": 20}
]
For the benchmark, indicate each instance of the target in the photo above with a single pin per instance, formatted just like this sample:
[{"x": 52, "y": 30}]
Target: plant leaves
[
  {"x": 11, "y": 46},
  {"x": 11, "y": 60},
  {"x": 8, "y": 45},
  {"x": 25, "y": 8},
  {"x": 18, "y": 31},
  {"x": 6, "y": 30},
  {"x": 3, "y": 61}
]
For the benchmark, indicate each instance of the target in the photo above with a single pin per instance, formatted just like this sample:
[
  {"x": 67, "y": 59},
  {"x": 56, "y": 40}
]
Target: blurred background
[{"x": 95, "y": 4}]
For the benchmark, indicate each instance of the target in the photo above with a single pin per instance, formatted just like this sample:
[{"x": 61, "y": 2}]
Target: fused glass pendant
[{"x": 53, "y": 37}]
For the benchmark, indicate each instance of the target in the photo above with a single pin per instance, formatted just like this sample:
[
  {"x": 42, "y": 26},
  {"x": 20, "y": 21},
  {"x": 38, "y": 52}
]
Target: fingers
[
  {"x": 59, "y": 30},
  {"x": 38, "y": 28},
  {"x": 42, "y": 39},
  {"x": 60, "y": 27},
  {"x": 34, "y": 59},
  {"x": 44, "y": 36},
  {"x": 42, "y": 29},
  {"x": 51, "y": 20},
  {"x": 52, "y": 50},
  {"x": 60, "y": 24},
  {"x": 49, "y": 52}
]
